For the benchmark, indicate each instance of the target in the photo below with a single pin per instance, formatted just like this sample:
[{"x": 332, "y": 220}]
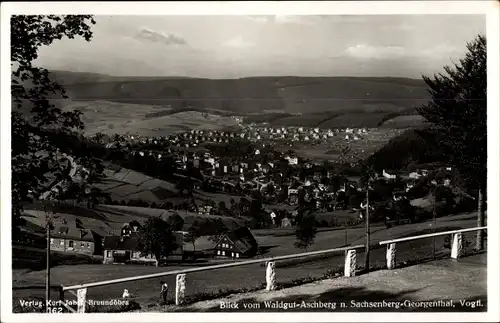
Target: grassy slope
[
  {"x": 108, "y": 219},
  {"x": 328, "y": 101},
  {"x": 126, "y": 185}
]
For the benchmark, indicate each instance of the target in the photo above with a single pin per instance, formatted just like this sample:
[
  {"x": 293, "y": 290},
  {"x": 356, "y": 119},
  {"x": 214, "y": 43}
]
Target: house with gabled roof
[
  {"x": 125, "y": 247},
  {"x": 239, "y": 243},
  {"x": 70, "y": 236}
]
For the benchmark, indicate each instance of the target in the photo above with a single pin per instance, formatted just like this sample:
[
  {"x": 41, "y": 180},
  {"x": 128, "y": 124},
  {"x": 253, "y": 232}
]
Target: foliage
[
  {"x": 412, "y": 146},
  {"x": 420, "y": 189},
  {"x": 355, "y": 201},
  {"x": 176, "y": 222},
  {"x": 382, "y": 189},
  {"x": 457, "y": 112},
  {"x": 34, "y": 118},
  {"x": 401, "y": 209},
  {"x": 219, "y": 229},
  {"x": 156, "y": 237},
  {"x": 305, "y": 231},
  {"x": 443, "y": 193},
  {"x": 194, "y": 232}
]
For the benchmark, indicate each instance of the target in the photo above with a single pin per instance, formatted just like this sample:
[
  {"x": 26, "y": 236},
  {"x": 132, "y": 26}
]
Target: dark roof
[
  {"x": 115, "y": 243},
  {"x": 70, "y": 230},
  {"x": 243, "y": 239}
]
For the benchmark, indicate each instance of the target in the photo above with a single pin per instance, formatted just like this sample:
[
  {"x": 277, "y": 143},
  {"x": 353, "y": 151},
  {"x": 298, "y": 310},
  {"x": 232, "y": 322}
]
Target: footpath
[{"x": 442, "y": 285}]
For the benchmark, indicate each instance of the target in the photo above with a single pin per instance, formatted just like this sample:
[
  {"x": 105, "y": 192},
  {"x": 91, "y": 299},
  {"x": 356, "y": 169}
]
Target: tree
[
  {"x": 194, "y": 232},
  {"x": 81, "y": 187},
  {"x": 457, "y": 114},
  {"x": 305, "y": 231},
  {"x": 355, "y": 201},
  {"x": 219, "y": 229},
  {"x": 157, "y": 237},
  {"x": 176, "y": 222},
  {"x": 222, "y": 207},
  {"x": 34, "y": 117}
]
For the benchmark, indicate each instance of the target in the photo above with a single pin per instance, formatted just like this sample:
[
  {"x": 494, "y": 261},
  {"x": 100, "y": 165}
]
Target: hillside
[
  {"x": 123, "y": 185},
  {"x": 120, "y": 104},
  {"x": 411, "y": 147},
  {"x": 108, "y": 219}
]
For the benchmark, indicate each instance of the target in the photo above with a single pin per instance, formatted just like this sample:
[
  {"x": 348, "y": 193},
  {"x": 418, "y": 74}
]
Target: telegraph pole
[{"x": 47, "y": 277}]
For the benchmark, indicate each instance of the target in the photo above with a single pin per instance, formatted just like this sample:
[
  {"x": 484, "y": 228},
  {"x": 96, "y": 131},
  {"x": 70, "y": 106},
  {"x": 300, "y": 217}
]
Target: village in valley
[{"x": 221, "y": 185}]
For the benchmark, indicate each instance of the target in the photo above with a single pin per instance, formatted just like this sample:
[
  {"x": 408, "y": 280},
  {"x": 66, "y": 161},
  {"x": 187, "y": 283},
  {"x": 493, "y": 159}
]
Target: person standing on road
[{"x": 164, "y": 291}]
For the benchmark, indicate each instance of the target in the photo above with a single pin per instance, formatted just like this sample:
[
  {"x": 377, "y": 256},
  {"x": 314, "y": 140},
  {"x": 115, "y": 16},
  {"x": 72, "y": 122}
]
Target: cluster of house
[
  {"x": 255, "y": 132},
  {"x": 71, "y": 237},
  {"x": 251, "y": 132}
]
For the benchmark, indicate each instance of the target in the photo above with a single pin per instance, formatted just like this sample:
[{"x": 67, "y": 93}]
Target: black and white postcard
[{"x": 250, "y": 161}]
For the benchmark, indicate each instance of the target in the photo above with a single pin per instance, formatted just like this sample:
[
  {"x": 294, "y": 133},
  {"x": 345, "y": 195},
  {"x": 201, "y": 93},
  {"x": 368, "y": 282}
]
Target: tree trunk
[
  {"x": 480, "y": 221},
  {"x": 367, "y": 223}
]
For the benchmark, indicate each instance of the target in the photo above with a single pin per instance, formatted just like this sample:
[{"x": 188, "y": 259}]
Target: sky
[{"x": 234, "y": 46}]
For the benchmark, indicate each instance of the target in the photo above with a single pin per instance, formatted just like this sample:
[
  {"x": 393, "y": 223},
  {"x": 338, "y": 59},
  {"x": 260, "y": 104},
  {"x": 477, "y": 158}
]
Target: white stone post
[
  {"x": 456, "y": 247},
  {"x": 350, "y": 264},
  {"x": 82, "y": 300},
  {"x": 271, "y": 276},
  {"x": 180, "y": 289},
  {"x": 391, "y": 256}
]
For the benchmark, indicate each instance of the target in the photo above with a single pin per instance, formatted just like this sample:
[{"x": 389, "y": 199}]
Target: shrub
[{"x": 322, "y": 223}]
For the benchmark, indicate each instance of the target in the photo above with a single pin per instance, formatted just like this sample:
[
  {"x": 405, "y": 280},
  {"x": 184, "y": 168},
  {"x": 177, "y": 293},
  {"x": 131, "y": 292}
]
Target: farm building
[
  {"x": 125, "y": 247},
  {"x": 67, "y": 236},
  {"x": 239, "y": 243}
]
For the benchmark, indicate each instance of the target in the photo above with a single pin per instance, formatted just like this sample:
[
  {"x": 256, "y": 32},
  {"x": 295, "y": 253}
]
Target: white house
[
  {"x": 387, "y": 175},
  {"x": 414, "y": 175}
]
